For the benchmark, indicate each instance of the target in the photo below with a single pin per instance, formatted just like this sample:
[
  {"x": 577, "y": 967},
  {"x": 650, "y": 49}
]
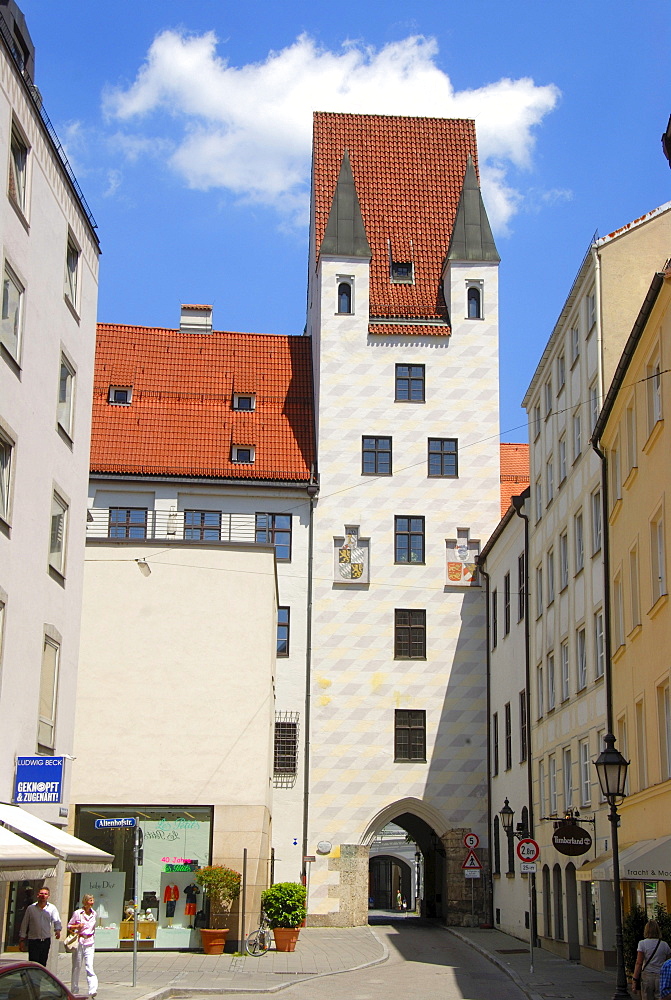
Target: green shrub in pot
[{"x": 284, "y": 904}]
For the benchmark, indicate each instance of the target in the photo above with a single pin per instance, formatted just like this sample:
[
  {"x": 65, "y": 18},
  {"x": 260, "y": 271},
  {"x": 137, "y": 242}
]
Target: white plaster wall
[
  {"x": 357, "y": 683},
  {"x": 35, "y": 246}
]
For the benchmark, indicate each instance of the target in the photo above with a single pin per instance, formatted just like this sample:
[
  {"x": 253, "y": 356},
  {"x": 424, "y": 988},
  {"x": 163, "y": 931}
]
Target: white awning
[
  {"x": 78, "y": 855},
  {"x": 645, "y": 861},
  {"x": 20, "y": 860}
]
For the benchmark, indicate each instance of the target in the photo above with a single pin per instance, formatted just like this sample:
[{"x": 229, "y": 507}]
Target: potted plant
[
  {"x": 284, "y": 903},
  {"x": 221, "y": 885}
]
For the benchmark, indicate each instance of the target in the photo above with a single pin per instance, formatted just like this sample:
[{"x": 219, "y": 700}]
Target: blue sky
[{"x": 188, "y": 127}]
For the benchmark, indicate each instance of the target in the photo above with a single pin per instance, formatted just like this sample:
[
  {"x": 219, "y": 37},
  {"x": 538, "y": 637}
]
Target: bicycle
[{"x": 258, "y": 942}]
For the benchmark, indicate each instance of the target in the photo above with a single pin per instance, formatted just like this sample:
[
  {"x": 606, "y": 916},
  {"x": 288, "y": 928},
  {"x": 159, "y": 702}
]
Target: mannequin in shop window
[
  {"x": 190, "y": 892},
  {"x": 170, "y": 897}
]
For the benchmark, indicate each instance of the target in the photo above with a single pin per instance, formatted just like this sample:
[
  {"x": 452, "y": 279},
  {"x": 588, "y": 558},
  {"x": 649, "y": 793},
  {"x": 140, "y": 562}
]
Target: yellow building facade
[{"x": 634, "y": 433}]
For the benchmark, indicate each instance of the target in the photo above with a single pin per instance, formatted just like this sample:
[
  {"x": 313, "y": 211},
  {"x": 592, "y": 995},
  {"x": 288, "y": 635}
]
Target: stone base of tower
[
  {"x": 351, "y": 891},
  {"x": 466, "y": 898}
]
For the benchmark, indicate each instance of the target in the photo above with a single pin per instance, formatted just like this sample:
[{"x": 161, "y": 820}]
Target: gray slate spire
[
  {"x": 345, "y": 234},
  {"x": 472, "y": 235}
]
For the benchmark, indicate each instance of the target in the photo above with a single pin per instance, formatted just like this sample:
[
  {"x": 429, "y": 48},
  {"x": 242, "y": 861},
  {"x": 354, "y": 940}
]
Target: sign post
[
  {"x": 128, "y": 823},
  {"x": 528, "y": 851},
  {"x": 307, "y": 861},
  {"x": 471, "y": 866}
]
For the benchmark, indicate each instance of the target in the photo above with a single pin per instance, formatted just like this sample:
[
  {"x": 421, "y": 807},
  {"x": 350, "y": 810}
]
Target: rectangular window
[
  {"x": 549, "y": 481},
  {"x": 275, "y": 529},
  {"x": 640, "y": 746},
  {"x": 66, "y": 385},
  {"x": 562, "y": 459},
  {"x": 536, "y": 421},
  {"x": 409, "y": 634},
  {"x": 551, "y": 682},
  {"x": 127, "y": 522},
  {"x": 443, "y": 459},
  {"x": 568, "y": 778},
  {"x": 495, "y": 743},
  {"x": 618, "y": 613},
  {"x": 664, "y": 722},
  {"x": 577, "y": 436},
  {"x": 539, "y": 591},
  {"x": 506, "y": 604},
  {"x": 409, "y": 735},
  {"x": 581, "y": 653},
  {"x": 18, "y": 163},
  {"x": 120, "y": 395},
  {"x": 579, "y": 536},
  {"x": 509, "y": 737},
  {"x": 245, "y": 402},
  {"x": 541, "y": 787},
  {"x": 596, "y": 521},
  {"x": 630, "y": 428},
  {"x": 635, "y": 604},
  {"x": 286, "y": 745},
  {"x": 495, "y": 618},
  {"x": 591, "y": 310},
  {"x": 409, "y": 539},
  {"x": 46, "y": 726},
  {"x": 575, "y": 344},
  {"x": 623, "y": 744},
  {"x": 376, "y": 456},
  {"x": 540, "y": 691},
  {"x": 539, "y": 500},
  {"x": 5, "y": 476},
  {"x": 72, "y": 272},
  {"x": 59, "y": 514},
  {"x": 551, "y": 576},
  {"x": 548, "y": 398},
  {"x": 523, "y": 726},
  {"x": 561, "y": 373},
  {"x": 654, "y": 392},
  {"x": 410, "y": 383},
  {"x": 12, "y": 312},
  {"x": 243, "y": 454},
  {"x": 283, "y": 631},
  {"x": 202, "y": 525},
  {"x": 563, "y": 561},
  {"x": 564, "y": 671},
  {"x": 615, "y": 474},
  {"x": 585, "y": 784},
  {"x": 658, "y": 556},
  {"x": 521, "y": 586},
  {"x": 593, "y": 407},
  {"x": 553, "y": 785},
  {"x": 599, "y": 645},
  {"x": 599, "y": 747}
]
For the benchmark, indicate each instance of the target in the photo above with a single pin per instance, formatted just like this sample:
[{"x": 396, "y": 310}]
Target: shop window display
[{"x": 176, "y": 841}]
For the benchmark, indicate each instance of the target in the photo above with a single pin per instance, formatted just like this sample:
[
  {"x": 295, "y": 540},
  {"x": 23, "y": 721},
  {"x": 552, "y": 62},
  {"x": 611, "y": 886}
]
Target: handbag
[{"x": 71, "y": 940}]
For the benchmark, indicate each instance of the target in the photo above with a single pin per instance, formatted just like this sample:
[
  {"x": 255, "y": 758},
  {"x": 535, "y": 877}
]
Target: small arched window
[
  {"x": 344, "y": 297},
  {"x": 474, "y": 303},
  {"x": 497, "y": 846}
]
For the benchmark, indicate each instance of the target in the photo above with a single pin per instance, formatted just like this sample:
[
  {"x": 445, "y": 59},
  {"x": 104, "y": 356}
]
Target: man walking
[
  {"x": 36, "y": 927},
  {"x": 665, "y": 979}
]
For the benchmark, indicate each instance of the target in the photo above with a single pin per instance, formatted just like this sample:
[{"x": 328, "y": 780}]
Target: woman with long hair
[{"x": 83, "y": 921}]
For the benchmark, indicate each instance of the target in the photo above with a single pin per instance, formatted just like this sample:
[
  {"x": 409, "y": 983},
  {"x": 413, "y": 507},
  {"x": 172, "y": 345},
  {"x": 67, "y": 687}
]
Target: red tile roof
[
  {"x": 181, "y": 421},
  {"x": 408, "y": 174},
  {"x": 514, "y": 472}
]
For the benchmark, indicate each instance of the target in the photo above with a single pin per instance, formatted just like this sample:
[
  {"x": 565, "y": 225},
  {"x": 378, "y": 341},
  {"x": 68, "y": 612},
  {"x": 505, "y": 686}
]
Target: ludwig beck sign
[{"x": 571, "y": 839}]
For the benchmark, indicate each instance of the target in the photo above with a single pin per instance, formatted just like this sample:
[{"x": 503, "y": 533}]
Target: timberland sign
[{"x": 571, "y": 839}]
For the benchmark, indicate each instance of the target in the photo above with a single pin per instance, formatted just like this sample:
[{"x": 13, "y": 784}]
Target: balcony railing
[{"x": 135, "y": 524}]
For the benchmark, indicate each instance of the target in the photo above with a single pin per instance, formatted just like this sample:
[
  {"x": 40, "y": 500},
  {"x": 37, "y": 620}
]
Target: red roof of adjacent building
[
  {"x": 181, "y": 420},
  {"x": 514, "y": 472},
  {"x": 408, "y": 174}
]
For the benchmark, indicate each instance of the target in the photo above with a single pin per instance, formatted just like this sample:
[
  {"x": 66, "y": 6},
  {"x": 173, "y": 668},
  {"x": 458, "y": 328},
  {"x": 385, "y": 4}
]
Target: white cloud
[{"x": 248, "y": 129}]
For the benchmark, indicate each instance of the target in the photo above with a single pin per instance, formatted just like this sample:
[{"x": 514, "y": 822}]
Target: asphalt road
[{"x": 425, "y": 963}]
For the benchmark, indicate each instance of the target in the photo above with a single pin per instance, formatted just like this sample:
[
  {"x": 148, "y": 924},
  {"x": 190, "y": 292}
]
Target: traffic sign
[
  {"x": 472, "y": 862},
  {"x": 309, "y": 858},
  {"x": 474, "y": 873},
  {"x": 527, "y": 850},
  {"x": 471, "y": 840},
  {"x": 528, "y": 867},
  {"x": 113, "y": 824}
]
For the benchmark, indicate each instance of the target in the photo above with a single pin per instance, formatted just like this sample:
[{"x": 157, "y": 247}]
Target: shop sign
[
  {"x": 571, "y": 839},
  {"x": 38, "y": 779}
]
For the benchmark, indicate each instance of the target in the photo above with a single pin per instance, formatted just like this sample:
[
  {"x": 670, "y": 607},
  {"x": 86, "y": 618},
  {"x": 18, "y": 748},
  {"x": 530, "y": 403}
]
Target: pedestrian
[
  {"x": 36, "y": 926},
  {"x": 399, "y": 899},
  {"x": 651, "y": 954},
  {"x": 83, "y": 921},
  {"x": 665, "y": 980}
]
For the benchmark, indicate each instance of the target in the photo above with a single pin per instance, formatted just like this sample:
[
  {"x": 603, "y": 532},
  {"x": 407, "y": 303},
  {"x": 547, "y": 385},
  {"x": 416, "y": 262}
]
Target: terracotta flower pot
[
  {"x": 213, "y": 939},
  {"x": 286, "y": 938}
]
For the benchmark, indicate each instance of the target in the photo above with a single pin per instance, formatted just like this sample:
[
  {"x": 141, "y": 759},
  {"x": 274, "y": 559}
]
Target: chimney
[{"x": 196, "y": 319}]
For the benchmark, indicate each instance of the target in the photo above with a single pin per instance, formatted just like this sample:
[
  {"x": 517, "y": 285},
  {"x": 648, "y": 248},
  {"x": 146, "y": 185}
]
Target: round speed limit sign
[
  {"x": 471, "y": 840},
  {"x": 527, "y": 850}
]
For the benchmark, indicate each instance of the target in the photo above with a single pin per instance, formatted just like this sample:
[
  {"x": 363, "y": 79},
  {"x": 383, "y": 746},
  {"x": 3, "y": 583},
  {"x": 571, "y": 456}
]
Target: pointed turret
[
  {"x": 345, "y": 234},
  {"x": 472, "y": 238}
]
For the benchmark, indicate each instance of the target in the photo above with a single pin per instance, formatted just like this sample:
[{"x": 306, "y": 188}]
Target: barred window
[
  {"x": 409, "y": 735},
  {"x": 285, "y": 765}
]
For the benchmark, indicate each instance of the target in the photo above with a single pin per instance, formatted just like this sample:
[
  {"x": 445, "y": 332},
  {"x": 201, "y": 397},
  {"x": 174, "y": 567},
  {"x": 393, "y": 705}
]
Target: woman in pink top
[{"x": 84, "y": 922}]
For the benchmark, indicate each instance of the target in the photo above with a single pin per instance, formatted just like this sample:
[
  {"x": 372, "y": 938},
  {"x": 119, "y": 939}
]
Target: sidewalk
[
  {"x": 552, "y": 977},
  {"x": 320, "y": 952}
]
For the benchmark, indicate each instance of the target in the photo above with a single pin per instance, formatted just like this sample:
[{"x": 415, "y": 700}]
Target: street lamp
[
  {"x": 611, "y": 768},
  {"x": 507, "y": 814}
]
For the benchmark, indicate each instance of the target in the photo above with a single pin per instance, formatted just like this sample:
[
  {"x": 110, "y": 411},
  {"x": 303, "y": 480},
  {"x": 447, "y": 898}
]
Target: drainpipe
[
  {"x": 605, "y": 546},
  {"x": 313, "y": 489},
  {"x": 490, "y": 882}
]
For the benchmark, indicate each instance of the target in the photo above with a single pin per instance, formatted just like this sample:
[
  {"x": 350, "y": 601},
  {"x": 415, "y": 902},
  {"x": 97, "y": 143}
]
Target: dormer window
[
  {"x": 344, "y": 297},
  {"x": 244, "y": 401},
  {"x": 474, "y": 302},
  {"x": 402, "y": 273},
  {"x": 242, "y": 454},
  {"x": 120, "y": 395}
]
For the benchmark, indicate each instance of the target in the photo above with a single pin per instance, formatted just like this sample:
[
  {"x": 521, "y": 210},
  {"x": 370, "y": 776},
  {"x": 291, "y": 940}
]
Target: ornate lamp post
[{"x": 611, "y": 768}]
